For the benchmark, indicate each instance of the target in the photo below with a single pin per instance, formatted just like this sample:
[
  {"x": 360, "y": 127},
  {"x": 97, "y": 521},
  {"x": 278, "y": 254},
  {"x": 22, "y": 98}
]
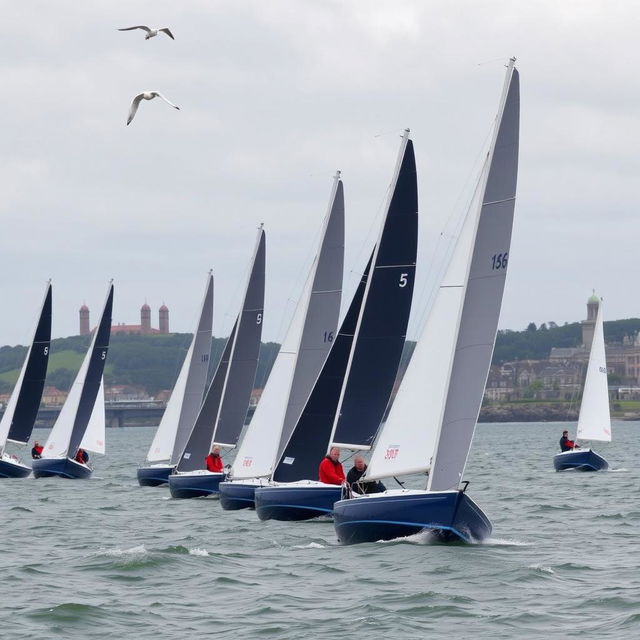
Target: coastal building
[
  {"x": 144, "y": 327},
  {"x": 561, "y": 375}
]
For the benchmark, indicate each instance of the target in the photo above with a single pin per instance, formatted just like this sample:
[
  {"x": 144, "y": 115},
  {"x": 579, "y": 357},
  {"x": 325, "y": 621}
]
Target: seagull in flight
[
  {"x": 150, "y": 32},
  {"x": 146, "y": 95}
]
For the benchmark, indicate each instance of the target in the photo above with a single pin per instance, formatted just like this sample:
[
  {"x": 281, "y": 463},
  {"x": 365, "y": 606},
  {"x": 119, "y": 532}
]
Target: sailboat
[
  {"x": 224, "y": 409},
  {"x": 81, "y": 423},
  {"x": 350, "y": 397},
  {"x": 184, "y": 403},
  {"x": 594, "y": 420},
  {"x": 299, "y": 361},
  {"x": 431, "y": 424},
  {"x": 22, "y": 408}
]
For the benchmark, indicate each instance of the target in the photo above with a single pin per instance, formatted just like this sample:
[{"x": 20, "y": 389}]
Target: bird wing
[
  {"x": 140, "y": 26},
  {"x": 167, "y": 101},
  {"x": 134, "y": 107},
  {"x": 166, "y": 30}
]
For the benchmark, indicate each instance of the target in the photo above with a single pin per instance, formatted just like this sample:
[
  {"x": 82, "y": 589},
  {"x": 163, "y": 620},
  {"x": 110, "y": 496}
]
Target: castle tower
[
  {"x": 145, "y": 318},
  {"x": 163, "y": 315},
  {"x": 589, "y": 325},
  {"x": 85, "y": 329}
]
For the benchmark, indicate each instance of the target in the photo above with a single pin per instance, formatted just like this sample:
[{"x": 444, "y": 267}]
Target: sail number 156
[{"x": 499, "y": 261}]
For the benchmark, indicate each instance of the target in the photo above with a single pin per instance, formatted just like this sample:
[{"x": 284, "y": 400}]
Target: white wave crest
[
  {"x": 503, "y": 542},
  {"x": 123, "y": 552},
  {"x": 198, "y": 552},
  {"x": 541, "y": 568},
  {"x": 311, "y": 545}
]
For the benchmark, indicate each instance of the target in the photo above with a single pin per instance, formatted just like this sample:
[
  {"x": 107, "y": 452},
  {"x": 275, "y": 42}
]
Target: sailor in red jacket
[
  {"x": 214, "y": 461},
  {"x": 330, "y": 470}
]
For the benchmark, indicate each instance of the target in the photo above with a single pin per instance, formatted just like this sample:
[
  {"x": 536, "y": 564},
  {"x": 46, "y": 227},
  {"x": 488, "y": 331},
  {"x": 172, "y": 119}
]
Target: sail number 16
[{"x": 499, "y": 261}]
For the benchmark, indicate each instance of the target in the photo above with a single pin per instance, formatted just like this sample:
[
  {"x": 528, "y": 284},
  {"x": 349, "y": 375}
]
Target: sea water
[{"x": 106, "y": 558}]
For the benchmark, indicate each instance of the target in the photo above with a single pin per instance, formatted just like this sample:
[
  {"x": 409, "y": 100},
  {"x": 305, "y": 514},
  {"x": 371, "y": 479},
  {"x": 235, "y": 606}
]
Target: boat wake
[
  {"x": 504, "y": 542},
  {"x": 311, "y": 545}
]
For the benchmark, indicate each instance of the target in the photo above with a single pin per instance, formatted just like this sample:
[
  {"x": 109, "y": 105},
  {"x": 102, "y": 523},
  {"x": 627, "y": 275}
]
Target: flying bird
[
  {"x": 150, "y": 32},
  {"x": 146, "y": 95}
]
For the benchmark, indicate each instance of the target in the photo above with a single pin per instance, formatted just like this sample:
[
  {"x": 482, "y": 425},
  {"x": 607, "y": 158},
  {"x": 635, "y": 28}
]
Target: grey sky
[{"x": 275, "y": 96}]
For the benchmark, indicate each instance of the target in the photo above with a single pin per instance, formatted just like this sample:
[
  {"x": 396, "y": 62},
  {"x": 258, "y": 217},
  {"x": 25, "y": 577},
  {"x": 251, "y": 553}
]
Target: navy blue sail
[
  {"x": 308, "y": 442},
  {"x": 28, "y": 402},
  {"x": 94, "y": 376},
  {"x": 22, "y": 408},
  {"x": 384, "y": 317}
]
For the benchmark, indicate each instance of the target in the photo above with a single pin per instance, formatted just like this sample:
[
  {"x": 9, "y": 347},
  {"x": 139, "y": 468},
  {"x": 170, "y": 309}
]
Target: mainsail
[
  {"x": 227, "y": 399},
  {"x": 302, "y": 353},
  {"x": 594, "y": 422},
  {"x": 478, "y": 285},
  {"x": 75, "y": 415},
  {"x": 22, "y": 408},
  {"x": 186, "y": 397}
]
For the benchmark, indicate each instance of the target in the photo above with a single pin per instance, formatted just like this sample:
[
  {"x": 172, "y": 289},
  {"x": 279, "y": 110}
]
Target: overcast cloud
[{"x": 277, "y": 95}]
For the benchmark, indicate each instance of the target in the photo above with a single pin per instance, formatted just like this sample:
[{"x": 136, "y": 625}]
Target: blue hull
[
  {"x": 10, "y": 469},
  {"x": 153, "y": 476},
  {"x": 194, "y": 486},
  {"x": 60, "y": 467},
  {"x": 450, "y": 515},
  {"x": 580, "y": 460},
  {"x": 295, "y": 502},
  {"x": 236, "y": 495}
]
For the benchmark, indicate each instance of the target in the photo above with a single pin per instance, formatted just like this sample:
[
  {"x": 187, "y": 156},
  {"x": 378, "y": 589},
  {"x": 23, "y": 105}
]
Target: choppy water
[{"x": 106, "y": 558}]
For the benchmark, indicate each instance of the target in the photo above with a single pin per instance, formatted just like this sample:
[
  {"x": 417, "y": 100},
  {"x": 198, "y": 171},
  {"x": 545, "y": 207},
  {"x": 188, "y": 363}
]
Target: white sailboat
[
  {"x": 594, "y": 420},
  {"x": 22, "y": 408},
  {"x": 299, "y": 361},
  {"x": 81, "y": 422},
  {"x": 448, "y": 370},
  {"x": 184, "y": 403}
]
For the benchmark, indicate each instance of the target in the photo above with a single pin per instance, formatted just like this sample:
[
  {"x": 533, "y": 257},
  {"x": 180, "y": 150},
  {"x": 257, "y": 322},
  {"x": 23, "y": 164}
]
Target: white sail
[
  {"x": 186, "y": 397},
  {"x": 483, "y": 286},
  {"x": 594, "y": 422},
  {"x": 408, "y": 437},
  {"x": 302, "y": 353},
  {"x": 94, "y": 437},
  {"x": 258, "y": 449}
]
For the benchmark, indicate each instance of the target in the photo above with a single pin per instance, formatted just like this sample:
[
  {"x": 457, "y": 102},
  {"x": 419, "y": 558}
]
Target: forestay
[
  {"x": 302, "y": 353},
  {"x": 186, "y": 397},
  {"x": 481, "y": 296},
  {"x": 594, "y": 422}
]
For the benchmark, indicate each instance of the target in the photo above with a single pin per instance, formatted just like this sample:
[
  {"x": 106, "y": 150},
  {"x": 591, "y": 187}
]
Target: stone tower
[
  {"x": 145, "y": 318},
  {"x": 589, "y": 325},
  {"x": 85, "y": 329},
  {"x": 163, "y": 315}
]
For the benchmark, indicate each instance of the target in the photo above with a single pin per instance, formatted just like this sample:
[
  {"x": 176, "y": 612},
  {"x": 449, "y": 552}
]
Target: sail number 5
[
  {"x": 259, "y": 319},
  {"x": 403, "y": 280},
  {"x": 499, "y": 261}
]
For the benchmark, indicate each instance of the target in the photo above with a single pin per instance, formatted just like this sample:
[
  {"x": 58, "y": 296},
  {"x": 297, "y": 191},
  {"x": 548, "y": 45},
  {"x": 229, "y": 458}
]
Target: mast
[{"x": 480, "y": 293}]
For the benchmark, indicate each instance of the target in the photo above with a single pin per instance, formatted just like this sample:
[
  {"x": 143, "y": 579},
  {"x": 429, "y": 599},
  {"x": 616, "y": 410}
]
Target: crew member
[
  {"x": 356, "y": 472},
  {"x": 214, "y": 461},
  {"x": 330, "y": 470},
  {"x": 37, "y": 450},
  {"x": 566, "y": 444},
  {"x": 82, "y": 456}
]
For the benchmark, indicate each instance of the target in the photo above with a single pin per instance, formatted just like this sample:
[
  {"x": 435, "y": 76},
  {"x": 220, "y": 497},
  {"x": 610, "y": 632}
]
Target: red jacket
[
  {"x": 330, "y": 472},
  {"x": 214, "y": 463}
]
